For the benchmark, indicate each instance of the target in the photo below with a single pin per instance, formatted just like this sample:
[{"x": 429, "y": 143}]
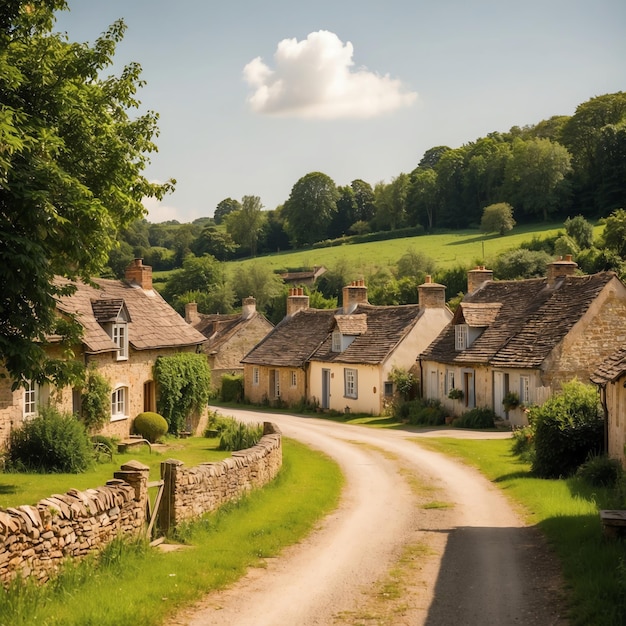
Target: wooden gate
[{"x": 153, "y": 510}]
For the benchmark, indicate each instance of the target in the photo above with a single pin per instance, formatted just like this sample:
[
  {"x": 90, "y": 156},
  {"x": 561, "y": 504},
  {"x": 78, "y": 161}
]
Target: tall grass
[
  {"x": 136, "y": 585},
  {"x": 566, "y": 511}
]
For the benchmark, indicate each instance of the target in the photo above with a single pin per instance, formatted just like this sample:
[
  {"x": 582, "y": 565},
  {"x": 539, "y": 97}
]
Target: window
[
  {"x": 255, "y": 375},
  {"x": 336, "y": 347},
  {"x": 524, "y": 389},
  {"x": 119, "y": 401},
  {"x": 449, "y": 381},
  {"x": 31, "y": 398},
  {"x": 388, "y": 389},
  {"x": 294, "y": 379},
  {"x": 120, "y": 339},
  {"x": 350, "y": 383},
  {"x": 277, "y": 385},
  {"x": 460, "y": 337}
]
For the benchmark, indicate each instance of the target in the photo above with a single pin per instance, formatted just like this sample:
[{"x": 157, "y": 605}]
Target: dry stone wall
[
  {"x": 36, "y": 540},
  {"x": 192, "y": 491}
]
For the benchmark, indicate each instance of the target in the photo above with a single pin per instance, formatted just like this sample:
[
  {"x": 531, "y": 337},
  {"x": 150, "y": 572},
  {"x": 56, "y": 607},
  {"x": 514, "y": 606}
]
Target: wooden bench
[
  {"x": 124, "y": 445},
  {"x": 613, "y": 523}
]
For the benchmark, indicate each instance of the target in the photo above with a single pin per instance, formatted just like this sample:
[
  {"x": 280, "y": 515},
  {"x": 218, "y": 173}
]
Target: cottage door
[
  {"x": 325, "y": 389},
  {"x": 500, "y": 388}
]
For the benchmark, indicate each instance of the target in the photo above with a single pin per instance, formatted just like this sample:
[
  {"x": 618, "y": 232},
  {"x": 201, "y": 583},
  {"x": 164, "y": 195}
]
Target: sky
[{"x": 253, "y": 96}]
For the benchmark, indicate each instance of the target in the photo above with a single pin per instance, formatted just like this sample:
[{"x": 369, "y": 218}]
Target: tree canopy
[{"x": 70, "y": 171}]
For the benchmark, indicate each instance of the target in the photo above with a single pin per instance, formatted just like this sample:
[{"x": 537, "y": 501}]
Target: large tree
[
  {"x": 310, "y": 208},
  {"x": 245, "y": 225},
  {"x": 71, "y": 163}
]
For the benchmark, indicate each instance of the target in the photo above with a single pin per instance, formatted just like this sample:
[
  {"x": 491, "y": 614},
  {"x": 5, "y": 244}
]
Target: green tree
[
  {"x": 364, "y": 200},
  {"x": 258, "y": 280},
  {"x": 391, "y": 202},
  {"x": 71, "y": 168},
  {"x": 246, "y": 224},
  {"x": 224, "y": 208},
  {"x": 614, "y": 237},
  {"x": 497, "y": 218},
  {"x": 422, "y": 197},
  {"x": 310, "y": 208},
  {"x": 215, "y": 242},
  {"x": 580, "y": 230},
  {"x": 521, "y": 263}
]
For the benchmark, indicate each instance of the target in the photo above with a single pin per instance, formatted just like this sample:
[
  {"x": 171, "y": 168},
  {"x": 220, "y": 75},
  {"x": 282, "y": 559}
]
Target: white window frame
[
  {"x": 294, "y": 378},
  {"x": 461, "y": 337},
  {"x": 336, "y": 341},
  {"x": 277, "y": 384},
  {"x": 255, "y": 376},
  {"x": 350, "y": 383},
  {"x": 119, "y": 335},
  {"x": 119, "y": 403},
  {"x": 31, "y": 399},
  {"x": 449, "y": 381},
  {"x": 524, "y": 390}
]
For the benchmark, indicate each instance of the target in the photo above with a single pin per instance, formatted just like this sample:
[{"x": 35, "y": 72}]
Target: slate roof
[
  {"x": 532, "y": 319},
  {"x": 611, "y": 369},
  {"x": 293, "y": 340},
  {"x": 107, "y": 309},
  {"x": 386, "y": 328},
  {"x": 351, "y": 324},
  {"x": 218, "y": 329},
  {"x": 154, "y": 323}
]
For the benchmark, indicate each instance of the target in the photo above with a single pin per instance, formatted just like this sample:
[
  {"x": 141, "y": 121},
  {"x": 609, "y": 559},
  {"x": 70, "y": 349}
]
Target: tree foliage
[
  {"x": 246, "y": 224},
  {"x": 497, "y": 218},
  {"x": 71, "y": 168}
]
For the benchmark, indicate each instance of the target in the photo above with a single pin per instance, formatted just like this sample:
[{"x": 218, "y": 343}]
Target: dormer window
[
  {"x": 113, "y": 316},
  {"x": 461, "y": 336},
  {"x": 336, "y": 347}
]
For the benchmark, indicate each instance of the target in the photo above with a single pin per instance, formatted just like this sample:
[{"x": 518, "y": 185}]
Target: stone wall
[
  {"x": 36, "y": 540},
  {"x": 190, "y": 492}
]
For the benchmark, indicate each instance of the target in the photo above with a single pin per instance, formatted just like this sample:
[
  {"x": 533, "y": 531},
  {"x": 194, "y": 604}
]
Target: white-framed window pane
[
  {"x": 388, "y": 389},
  {"x": 120, "y": 339},
  {"x": 277, "y": 385},
  {"x": 350, "y": 383},
  {"x": 336, "y": 347},
  {"x": 524, "y": 389},
  {"x": 294, "y": 379},
  {"x": 460, "y": 337},
  {"x": 31, "y": 393},
  {"x": 119, "y": 400},
  {"x": 255, "y": 375},
  {"x": 449, "y": 381}
]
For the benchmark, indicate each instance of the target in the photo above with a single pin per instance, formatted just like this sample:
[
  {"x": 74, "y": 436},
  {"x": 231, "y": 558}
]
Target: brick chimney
[
  {"x": 248, "y": 308},
  {"x": 431, "y": 295},
  {"x": 296, "y": 301},
  {"x": 191, "y": 313},
  {"x": 354, "y": 294},
  {"x": 478, "y": 277},
  {"x": 561, "y": 267},
  {"x": 139, "y": 274}
]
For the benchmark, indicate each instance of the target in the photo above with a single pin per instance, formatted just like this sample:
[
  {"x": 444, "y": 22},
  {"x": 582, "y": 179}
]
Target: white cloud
[
  {"x": 158, "y": 212},
  {"x": 315, "y": 78}
]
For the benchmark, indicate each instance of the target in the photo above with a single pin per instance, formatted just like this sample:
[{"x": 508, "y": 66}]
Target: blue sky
[{"x": 252, "y": 96}]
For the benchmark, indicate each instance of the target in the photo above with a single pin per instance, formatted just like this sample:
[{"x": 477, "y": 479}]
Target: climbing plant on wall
[
  {"x": 95, "y": 400},
  {"x": 183, "y": 382}
]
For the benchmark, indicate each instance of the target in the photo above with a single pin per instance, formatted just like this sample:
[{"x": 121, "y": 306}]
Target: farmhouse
[
  {"x": 512, "y": 343},
  {"x": 342, "y": 359},
  {"x": 126, "y": 326}
]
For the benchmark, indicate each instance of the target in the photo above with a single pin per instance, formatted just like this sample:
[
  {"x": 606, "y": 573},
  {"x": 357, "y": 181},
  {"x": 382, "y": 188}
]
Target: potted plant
[
  {"x": 455, "y": 394},
  {"x": 510, "y": 401}
]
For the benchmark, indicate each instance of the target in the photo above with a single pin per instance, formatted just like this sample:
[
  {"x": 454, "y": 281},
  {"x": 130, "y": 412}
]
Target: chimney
[
  {"x": 296, "y": 301},
  {"x": 248, "y": 308},
  {"x": 477, "y": 277},
  {"x": 139, "y": 274},
  {"x": 561, "y": 267},
  {"x": 431, "y": 295},
  {"x": 354, "y": 294},
  {"x": 191, "y": 313}
]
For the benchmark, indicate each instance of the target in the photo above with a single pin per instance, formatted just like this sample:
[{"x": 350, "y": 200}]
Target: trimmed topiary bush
[
  {"x": 475, "y": 418},
  {"x": 150, "y": 426},
  {"x": 52, "y": 442}
]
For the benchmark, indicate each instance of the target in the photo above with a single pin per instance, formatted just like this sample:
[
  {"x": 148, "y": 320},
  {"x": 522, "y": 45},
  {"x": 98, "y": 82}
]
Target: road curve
[{"x": 472, "y": 561}]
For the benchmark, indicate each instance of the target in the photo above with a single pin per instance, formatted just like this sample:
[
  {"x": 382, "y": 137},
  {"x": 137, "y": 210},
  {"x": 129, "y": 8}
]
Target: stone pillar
[
  {"x": 136, "y": 475},
  {"x": 167, "y": 507}
]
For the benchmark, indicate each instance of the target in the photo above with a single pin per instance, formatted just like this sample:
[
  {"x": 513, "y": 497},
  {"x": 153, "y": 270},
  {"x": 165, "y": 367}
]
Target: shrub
[
  {"x": 523, "y": 445},
  {"x": 421, "y": 412},
  {"x": 232, "y": 388},
  {"x": 95, "y": 400},
  {"x": 52, "y": 442},
  {"x": 150, "y": 426},
  {"x": 600, "y": 471},
  {"x": 567, "y": 428},
  {"x": 236, "y": 435},
  {"x": 475, "y": 418}
]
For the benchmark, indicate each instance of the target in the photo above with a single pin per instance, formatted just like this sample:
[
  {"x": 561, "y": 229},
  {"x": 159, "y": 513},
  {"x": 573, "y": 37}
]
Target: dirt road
[{"x": 418, "y": 539}]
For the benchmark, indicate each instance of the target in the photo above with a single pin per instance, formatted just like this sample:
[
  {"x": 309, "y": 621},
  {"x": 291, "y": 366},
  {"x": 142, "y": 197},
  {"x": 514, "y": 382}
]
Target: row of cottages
[
  {"x": 126, "y": 326},
  {"x": 228, "y": 338},
  {"x": 342, "y": 359},
  {"x": 524, "y": 337}
]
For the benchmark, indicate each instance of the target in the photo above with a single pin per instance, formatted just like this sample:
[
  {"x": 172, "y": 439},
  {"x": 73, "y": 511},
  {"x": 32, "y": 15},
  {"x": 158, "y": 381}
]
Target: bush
[
  {"x": 236, "y": 435},
  {"x": 421, "y": 412},
  {"x": 150, "y": 426},
  {"x": 600, "y": 471},
  {"x": 52, "y": 442},
  {"x": 95, "y": 400},
  {"x": 232, "y": 388},
  {"x": 475, "y": 418},
  {"x": 523, "y": 444},
  {"x": 567, "y": 428}
]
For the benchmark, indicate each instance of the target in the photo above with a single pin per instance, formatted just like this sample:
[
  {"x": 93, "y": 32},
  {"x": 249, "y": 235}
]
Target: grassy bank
[
  {"x": 138, "y": 585},
  {"x": 566, "y": 511}
]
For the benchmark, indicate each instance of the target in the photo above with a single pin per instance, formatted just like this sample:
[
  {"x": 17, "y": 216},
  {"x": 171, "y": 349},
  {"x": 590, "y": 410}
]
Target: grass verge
[
  {"x": 134, "y": 585},
  {"x": 566, "y": 511}
]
